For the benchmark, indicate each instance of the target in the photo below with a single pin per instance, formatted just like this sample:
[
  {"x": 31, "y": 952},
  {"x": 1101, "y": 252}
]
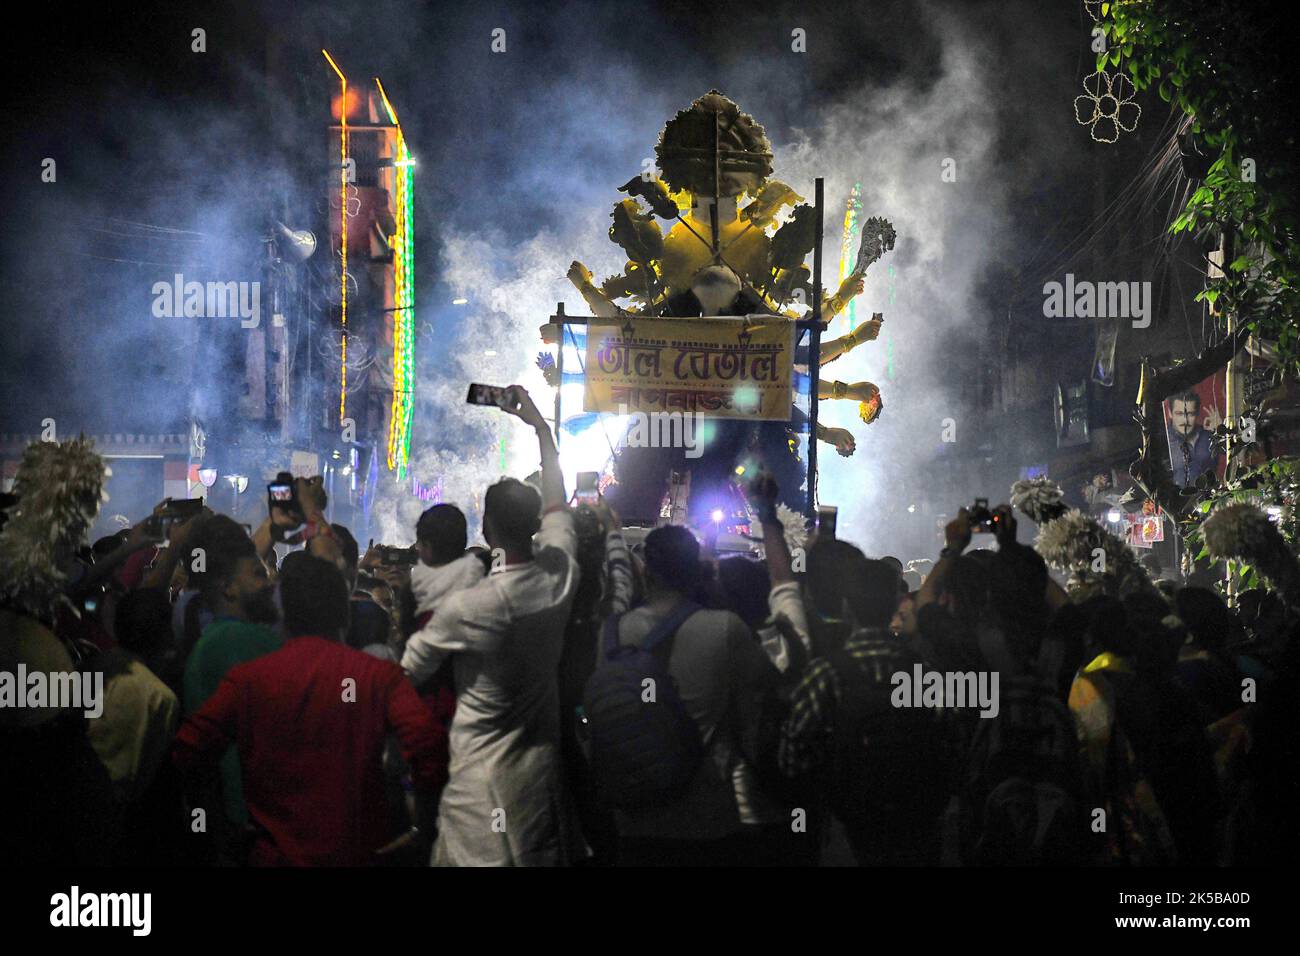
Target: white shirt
[
  {"x": 430, "y": 585},
  {"x": 785, "y": 601},
  {"x": 139, "y": 721},
  {"x": 504, "y": 803}
]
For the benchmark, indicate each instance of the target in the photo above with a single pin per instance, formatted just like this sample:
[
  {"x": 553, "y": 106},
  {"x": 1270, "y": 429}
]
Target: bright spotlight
[
  {"x": 717, "y": 515},
  {"x": 1113, "y": 515}
]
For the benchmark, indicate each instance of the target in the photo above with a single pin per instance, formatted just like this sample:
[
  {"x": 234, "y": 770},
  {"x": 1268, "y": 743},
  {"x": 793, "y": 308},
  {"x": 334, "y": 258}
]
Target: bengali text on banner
[{"x": 717, "y": 367}]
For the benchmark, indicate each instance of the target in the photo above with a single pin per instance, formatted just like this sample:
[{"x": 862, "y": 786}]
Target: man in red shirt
[{"x": 310, "y": 721}]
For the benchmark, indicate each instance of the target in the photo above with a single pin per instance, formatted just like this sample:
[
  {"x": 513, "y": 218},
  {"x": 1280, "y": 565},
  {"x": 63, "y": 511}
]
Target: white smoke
[{"x": 893, "y": 139}]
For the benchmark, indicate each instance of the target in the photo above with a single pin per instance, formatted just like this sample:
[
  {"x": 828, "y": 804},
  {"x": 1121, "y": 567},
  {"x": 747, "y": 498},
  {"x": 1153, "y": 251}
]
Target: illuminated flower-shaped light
[
  {"x": 1107, "y": 106},
  {"x": 353, "y": 199}
]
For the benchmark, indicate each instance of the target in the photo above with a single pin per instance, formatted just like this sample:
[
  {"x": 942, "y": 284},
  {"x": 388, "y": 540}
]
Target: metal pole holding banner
[
  {"x": 815, "y": 349},
  {"x": 559, "y": 318}
]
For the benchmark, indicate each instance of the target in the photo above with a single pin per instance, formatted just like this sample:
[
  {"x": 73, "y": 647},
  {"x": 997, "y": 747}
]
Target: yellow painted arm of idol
[
  {"x": 833, "y": 305},
  {"x": 865, "y": 332},
  {"x": 841, "y": 438},
  {"x": 857, "y": 391},
  {"x": 599, "y": 303}
]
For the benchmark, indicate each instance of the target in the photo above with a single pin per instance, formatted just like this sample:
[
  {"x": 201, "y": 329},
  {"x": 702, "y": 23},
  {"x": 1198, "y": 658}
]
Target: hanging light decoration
[
  {"x": 343, "y": 230},
  {"x": 848, "y": 245},
  {"x": 1108, "y": 106},
  {"x": 402, "y": 244}
]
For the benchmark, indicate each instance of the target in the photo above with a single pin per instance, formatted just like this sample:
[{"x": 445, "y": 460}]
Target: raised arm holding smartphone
[{"x": 515, "y": 400}]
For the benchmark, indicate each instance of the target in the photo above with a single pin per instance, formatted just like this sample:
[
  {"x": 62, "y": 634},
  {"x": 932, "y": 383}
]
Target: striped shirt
[{"x": 807, "y": 732}]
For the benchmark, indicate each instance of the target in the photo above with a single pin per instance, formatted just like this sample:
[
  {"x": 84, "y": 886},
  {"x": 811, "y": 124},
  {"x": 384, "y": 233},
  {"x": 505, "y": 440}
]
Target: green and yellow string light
[
  {"x": 402, "y": 244},
  {"x": 848, "y": 257},
  {"x": 849, "y": 246}
]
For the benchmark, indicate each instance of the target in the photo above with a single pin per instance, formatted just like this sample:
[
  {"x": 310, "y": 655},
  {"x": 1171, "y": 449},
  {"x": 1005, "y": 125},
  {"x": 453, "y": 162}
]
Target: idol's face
[
  {"x": 736, "y": 182},
  {"x": 1184, "y": 417}
]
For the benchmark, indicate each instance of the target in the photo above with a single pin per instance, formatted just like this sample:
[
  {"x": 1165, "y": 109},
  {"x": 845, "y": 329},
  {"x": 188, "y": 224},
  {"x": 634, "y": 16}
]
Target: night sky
[{"x": 520, "y": 155}]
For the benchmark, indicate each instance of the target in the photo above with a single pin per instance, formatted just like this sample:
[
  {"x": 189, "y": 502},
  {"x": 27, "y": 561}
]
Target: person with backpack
[
  {"x": 673, "y": 705},
  {"x": 885, "y": 769},
  {"x": 1021, "y": 802},
  {"x": 607, "y": 586}
]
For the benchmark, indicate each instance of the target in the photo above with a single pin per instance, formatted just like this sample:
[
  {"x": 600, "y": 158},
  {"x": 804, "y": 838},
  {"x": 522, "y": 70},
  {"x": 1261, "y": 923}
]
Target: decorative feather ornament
[
  {"x": 1039, "y": 499},
  {"x": 794, "y": 527},
  {"x": 59, "y": 486},
  {"x": 1074, "y": 543},
  {"x": 1093, "y": 558},
  {"x": 1245, "y": 532}
]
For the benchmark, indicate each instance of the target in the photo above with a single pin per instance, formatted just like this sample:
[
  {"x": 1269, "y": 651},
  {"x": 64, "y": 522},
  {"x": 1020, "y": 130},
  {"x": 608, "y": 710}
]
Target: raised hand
[
  {"x": 956, "y": 533},
  {"x": 311, "y": 495},
  {"x": 609, "y": 520},
  {"x": 579, "y": 274},
  {"x": 1004, "y": 528},
  {"x": 764, "y": 492},
  {"x": 181, "y": 533},
  {"x": 843, "y": 441},
  {"x": 516, "y": 401},
  {"x": 851, "y": 286},
  {"x": 868, "y": 331}
]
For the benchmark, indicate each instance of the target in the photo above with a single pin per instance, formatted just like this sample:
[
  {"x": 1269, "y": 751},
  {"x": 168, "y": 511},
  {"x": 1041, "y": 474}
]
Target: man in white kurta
[{"x": 504, "y": 804}]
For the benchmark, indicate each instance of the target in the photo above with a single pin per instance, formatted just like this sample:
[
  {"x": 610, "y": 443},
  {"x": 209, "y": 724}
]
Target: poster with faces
[{"x": 1191, "y": 418}]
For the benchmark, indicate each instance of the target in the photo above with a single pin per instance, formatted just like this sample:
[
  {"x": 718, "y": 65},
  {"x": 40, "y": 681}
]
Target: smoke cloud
[{"x": 520, "y": 155}]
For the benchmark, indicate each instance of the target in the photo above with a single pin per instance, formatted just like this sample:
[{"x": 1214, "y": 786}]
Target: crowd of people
[{"x": 561, "y": 697}]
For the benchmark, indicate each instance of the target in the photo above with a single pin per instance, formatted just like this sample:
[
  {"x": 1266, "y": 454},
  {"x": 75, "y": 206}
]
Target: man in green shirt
[{"x": 235, "y": 587}]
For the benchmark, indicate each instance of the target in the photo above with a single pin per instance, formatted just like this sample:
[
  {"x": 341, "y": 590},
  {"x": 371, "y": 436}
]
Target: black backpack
[
  {"x": 886, "y": 762},
  {"x": 643, "y": 753},
  {"x": 1024, "y": 792}
]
